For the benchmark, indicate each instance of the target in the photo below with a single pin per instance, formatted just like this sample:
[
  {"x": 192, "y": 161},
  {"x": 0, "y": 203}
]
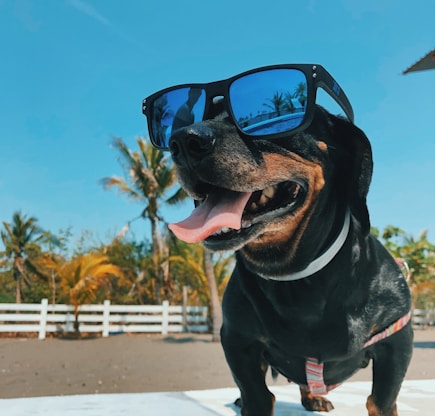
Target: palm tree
[
  {"x": 277, "y": 103},
  {"x": 192, "y": 265},
  {"x": 288, "y": 105},
  {"x": 82, "y": 277},
  {"x": 214, "y": 295},
  {"x": 22, "y": 251},
  {"x": 301, "y": 93},
  {"x": 148, "y": 179}
]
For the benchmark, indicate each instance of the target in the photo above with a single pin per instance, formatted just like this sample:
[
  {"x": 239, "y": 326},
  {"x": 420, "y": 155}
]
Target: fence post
[
  {"x": 43, "y": 319},
  {"x": 185, "y": 309},
  {"x": 106, "y": 318},
  {"x": 165, "y": 317}
]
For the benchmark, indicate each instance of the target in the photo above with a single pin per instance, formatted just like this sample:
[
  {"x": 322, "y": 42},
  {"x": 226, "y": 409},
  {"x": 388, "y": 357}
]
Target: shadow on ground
[
  {"x": 425, "y": 344},
  {"x": 185, "y": 340}
]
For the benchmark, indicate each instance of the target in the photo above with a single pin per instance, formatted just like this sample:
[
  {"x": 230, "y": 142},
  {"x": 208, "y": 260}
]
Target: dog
[{"x": 313, "y": 294}]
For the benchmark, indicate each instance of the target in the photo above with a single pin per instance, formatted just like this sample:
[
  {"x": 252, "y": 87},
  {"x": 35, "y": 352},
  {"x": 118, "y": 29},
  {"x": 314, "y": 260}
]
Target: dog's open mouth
[{"x": 225, "y": 214}]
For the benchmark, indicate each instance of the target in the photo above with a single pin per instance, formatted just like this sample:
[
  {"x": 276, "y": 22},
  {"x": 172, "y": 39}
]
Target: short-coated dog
[{"x": 313, "y": 294}]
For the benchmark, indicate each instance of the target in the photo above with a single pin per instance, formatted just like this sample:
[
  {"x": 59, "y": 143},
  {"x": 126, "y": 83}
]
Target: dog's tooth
[
  {"x": 246, "y": 224},
  {"x": 263, "y": 199},
  {"x": 223, "y": 230},
  {"x": 269, "y": 192},
  {"x": 253, "y": 206}
]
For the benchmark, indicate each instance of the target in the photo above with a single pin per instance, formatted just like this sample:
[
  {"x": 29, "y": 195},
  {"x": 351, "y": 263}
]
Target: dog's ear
[{"x": 358, "y": 168}]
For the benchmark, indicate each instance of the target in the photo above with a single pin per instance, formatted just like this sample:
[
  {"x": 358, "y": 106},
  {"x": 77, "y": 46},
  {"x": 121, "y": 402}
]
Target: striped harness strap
[
  {"x": 314, "y": 372},
  {"x": 392, "y": 329},
  {"x": 314, "y": 369}
]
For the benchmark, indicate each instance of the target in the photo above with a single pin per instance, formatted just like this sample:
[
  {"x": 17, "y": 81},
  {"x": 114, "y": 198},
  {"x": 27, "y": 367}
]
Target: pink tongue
[{"x": 218, "y": 211}]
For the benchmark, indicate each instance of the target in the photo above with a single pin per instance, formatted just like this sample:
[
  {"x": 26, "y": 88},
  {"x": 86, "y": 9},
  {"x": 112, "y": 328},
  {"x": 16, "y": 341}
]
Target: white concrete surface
[{"x": 417, "y": 397}]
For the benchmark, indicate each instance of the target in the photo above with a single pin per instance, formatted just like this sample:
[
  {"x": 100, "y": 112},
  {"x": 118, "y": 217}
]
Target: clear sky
[{"x": 73, "y": 74}]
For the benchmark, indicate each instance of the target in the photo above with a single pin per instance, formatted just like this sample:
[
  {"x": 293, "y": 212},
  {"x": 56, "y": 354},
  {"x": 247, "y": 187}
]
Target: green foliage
[
  {"x": 423, "y": 295},
  {"x": 419, "y": 254},
  {"x": 7, "y": 287},
  {"x": 82, "y": 277},
  {"x": 36, "y": 249},
  {"x": 135, "y": 261},
  {"x": 187, "y": 269},
  {"x": 22, "y": 239}
]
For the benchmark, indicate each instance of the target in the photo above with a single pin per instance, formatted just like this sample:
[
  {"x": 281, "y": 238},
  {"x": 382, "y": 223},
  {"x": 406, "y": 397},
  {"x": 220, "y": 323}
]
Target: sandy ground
[{"x": 139, "y": 363}]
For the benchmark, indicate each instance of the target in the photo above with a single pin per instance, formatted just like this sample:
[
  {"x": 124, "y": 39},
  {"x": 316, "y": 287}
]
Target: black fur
[{"x": 329, "y": 315}]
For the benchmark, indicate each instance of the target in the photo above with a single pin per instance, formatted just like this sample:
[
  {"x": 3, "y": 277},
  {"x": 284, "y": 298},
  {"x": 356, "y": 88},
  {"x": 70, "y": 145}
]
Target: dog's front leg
[
  {"x": 390, "y": 362},
  {"x": 249, "y": 371}
]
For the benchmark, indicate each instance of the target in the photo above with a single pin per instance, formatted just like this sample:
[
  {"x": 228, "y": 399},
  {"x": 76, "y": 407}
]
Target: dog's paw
[{"x": 315, "y": 403}]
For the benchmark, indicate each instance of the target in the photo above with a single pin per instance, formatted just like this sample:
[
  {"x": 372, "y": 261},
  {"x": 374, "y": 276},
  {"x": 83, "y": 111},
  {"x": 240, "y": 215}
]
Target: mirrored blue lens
[
  {"x": 176, "y": 109},
  {"x": 269, "y": 102}
]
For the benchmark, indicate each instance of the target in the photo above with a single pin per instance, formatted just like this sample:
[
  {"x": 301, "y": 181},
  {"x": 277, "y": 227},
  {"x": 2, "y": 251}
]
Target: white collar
[{"x": 320, "y": 262}]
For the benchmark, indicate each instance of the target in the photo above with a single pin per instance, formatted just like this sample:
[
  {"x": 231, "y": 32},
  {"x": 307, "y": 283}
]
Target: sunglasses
[{"x": 267, "y": 103}]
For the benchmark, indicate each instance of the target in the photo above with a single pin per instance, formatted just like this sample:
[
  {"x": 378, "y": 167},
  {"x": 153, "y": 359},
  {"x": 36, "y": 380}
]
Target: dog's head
[
  {"x": 272, "y": 199},
  {"x": 257, "y": 193}
]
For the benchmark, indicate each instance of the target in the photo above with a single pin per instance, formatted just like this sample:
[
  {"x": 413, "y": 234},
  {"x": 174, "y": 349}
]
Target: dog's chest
[
  {"x": 336, "y": 370},
  {"x": 294, "y": 321},
  {"x": 298, "y": 337},
  {"x": 300, "y": 317}
]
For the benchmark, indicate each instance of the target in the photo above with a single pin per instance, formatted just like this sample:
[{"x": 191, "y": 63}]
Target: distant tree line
[{"x": 36, "y": 265}]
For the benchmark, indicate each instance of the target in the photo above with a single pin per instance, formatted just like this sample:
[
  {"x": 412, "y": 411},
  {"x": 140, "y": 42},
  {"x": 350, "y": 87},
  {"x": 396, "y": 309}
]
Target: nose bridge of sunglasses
[
  {"x": 217, "y": 104},
  {"x": 216, "y": 100}
]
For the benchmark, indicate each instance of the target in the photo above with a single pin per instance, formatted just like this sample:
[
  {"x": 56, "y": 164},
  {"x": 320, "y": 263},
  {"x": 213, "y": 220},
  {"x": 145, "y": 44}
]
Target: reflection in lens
[
  {"x": 174, "y": 110},
  {"x": 269, "y": 102}
]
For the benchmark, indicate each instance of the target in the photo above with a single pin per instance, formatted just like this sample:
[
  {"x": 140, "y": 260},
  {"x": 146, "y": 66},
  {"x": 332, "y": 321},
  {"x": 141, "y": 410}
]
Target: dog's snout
[{"x": 191, "y": 144}]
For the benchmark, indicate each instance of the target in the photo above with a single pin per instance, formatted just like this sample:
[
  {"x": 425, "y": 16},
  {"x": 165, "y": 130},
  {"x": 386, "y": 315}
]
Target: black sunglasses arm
[{"x": 332, "y": 87}]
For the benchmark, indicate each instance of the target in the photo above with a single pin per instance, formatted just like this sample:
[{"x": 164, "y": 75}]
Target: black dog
[{"x": 313, "y": 294}]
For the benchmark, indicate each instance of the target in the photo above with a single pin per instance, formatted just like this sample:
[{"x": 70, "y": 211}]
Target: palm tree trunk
[
  {"x": 17, "y": 271},
  {"x": 18, "y": 290},
  {"x": 53, "y": 289},
  {"x": 155, "y": 235},
  {"x": 161, "y": 264},
  {"x": 76, "y": 320},
  {"x": 214, "y": 297},
  {"x": 164, "y": 267}
]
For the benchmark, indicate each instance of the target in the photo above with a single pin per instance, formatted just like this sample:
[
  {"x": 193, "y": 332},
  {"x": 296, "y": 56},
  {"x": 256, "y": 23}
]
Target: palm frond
[
  {"x": 179, "y": 196},
  {"x": 122, "y": 187}
]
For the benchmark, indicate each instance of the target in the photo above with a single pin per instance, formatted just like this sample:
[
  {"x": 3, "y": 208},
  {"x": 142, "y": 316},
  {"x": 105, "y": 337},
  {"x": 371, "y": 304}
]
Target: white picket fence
[
  {"x": 105, "y": 318},
  {"x": 422, "y": 318}
]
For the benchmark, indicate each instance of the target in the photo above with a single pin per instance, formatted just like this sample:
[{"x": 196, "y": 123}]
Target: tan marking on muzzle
[{"x": 290, "y": 228}]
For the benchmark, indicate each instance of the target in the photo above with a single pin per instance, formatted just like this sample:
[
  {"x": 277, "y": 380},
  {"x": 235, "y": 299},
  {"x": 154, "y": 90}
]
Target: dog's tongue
[{"x": 218, "y": 211}]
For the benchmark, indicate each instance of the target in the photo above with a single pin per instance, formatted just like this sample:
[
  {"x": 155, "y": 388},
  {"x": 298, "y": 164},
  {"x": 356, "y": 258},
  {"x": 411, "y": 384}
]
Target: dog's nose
[{"x": 189, "y": 145}]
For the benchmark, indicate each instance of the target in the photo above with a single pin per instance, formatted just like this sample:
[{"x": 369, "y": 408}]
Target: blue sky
[{"x": 73, "y": 74}]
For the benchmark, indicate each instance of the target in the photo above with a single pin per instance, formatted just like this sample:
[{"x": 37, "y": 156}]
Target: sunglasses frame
[{"x": 316, "y": 75}]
